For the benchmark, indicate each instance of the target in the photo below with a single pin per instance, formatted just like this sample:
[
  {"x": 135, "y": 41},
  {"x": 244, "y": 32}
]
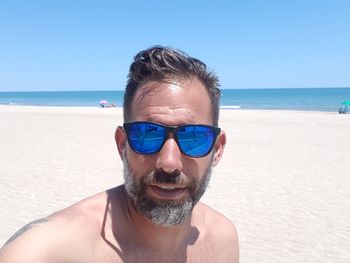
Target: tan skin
[{"x": 106, "y": 227}]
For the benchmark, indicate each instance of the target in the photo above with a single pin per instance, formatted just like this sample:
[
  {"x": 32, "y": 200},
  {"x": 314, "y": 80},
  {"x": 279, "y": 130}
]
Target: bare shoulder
[
  {"x": 58, "y": 237},
  {"x": 219, "y": 224},
  {"x": 220, "y": 233}
]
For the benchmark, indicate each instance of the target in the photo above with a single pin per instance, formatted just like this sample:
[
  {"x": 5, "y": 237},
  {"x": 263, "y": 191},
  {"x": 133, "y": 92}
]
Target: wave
[{"x": 230, "y": 107}]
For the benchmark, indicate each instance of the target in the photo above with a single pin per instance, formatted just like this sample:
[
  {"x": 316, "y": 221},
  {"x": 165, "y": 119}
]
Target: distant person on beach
[{"x": 169, "y": 142}]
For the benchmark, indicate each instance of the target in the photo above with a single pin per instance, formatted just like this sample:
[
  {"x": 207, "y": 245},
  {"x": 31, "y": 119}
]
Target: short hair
[{"x": 162, "y": 64}]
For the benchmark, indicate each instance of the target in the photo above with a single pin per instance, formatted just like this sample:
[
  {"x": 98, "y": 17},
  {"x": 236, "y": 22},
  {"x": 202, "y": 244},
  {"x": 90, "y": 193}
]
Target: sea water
[{"x": 316, "y": 99}]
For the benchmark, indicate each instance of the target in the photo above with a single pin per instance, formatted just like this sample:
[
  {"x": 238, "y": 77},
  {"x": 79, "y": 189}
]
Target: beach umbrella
[
  {"x": 347, "y": 102},
  {"x": 103, "y": 102}
]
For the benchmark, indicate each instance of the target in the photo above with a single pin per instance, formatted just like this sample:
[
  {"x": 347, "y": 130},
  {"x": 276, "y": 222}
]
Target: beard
[{"x": 166, "y": 213}]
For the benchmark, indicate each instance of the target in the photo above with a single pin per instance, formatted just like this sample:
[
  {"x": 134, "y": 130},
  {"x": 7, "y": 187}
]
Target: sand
[{"x": 284, "y": 179}]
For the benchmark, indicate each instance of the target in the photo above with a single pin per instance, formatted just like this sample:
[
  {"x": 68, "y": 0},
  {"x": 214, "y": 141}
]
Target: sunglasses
[{"x": 193, "y": 140}]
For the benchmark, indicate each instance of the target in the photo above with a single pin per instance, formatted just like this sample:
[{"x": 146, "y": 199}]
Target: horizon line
[{"x": 260, "y": 88}]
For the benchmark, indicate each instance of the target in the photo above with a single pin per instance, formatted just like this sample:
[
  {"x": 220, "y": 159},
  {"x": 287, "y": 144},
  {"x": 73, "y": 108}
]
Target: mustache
[{"x": 175, "y": 177}]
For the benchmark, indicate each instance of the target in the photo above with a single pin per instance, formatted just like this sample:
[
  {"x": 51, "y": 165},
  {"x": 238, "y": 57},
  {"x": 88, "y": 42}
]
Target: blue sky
[{"x": 89, "y": 45}]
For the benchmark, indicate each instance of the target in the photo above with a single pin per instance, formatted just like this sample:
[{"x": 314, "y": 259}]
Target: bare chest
[{"x": 199, "y": 252}]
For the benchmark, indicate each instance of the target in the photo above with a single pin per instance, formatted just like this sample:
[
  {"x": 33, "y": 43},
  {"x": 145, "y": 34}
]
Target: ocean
[{"x": 310, "y": 99}]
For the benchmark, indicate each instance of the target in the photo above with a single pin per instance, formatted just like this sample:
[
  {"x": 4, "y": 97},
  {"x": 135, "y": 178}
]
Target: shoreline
[{"x": 222, "y": 108}]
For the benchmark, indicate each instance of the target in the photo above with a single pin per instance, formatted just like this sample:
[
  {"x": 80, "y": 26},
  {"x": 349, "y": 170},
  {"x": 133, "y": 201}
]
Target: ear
[
  {"x": 219, "y": 147},
  {"x": 120, "y": 140}
]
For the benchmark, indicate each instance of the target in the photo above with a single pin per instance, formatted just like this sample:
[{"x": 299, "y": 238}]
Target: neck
[{"x": 157, "y": 236}]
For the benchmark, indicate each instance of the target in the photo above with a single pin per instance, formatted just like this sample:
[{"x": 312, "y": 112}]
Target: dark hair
[{"x": 161, "y": 64}]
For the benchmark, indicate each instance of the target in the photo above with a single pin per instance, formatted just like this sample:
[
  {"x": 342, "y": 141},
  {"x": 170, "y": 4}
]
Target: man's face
[
  {"x": 167, "y": 212},
  {"x": 166, "y": 185}
]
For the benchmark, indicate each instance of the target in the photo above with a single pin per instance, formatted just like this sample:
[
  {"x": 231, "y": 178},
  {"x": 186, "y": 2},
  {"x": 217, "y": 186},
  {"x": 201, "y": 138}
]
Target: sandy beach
[{"x": 284, "y": 179}]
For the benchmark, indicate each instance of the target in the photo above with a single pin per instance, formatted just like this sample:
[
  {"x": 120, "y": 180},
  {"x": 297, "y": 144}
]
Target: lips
[{"x": 166, "y": 191}]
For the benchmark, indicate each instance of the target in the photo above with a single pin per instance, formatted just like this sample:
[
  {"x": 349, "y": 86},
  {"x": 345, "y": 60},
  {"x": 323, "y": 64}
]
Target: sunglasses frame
[{"x": 173, "y": 130}]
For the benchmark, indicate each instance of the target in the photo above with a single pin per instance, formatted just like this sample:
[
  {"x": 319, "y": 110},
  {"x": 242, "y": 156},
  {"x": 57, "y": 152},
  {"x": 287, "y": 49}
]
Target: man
[{"x": 169, "y": 143}]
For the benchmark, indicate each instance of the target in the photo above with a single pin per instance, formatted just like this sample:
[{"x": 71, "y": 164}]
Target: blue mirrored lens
[
  {"x": 195, "y": 141},
  {"x": 146, "y": 138}
]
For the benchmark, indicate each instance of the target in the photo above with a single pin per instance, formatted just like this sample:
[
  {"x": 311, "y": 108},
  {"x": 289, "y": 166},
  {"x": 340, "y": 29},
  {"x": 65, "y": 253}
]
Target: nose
[{"x": 169, "y": 157}]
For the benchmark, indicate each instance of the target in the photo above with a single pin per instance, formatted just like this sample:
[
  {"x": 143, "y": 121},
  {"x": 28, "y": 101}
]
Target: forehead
[{"x": 172, "y": 103}]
